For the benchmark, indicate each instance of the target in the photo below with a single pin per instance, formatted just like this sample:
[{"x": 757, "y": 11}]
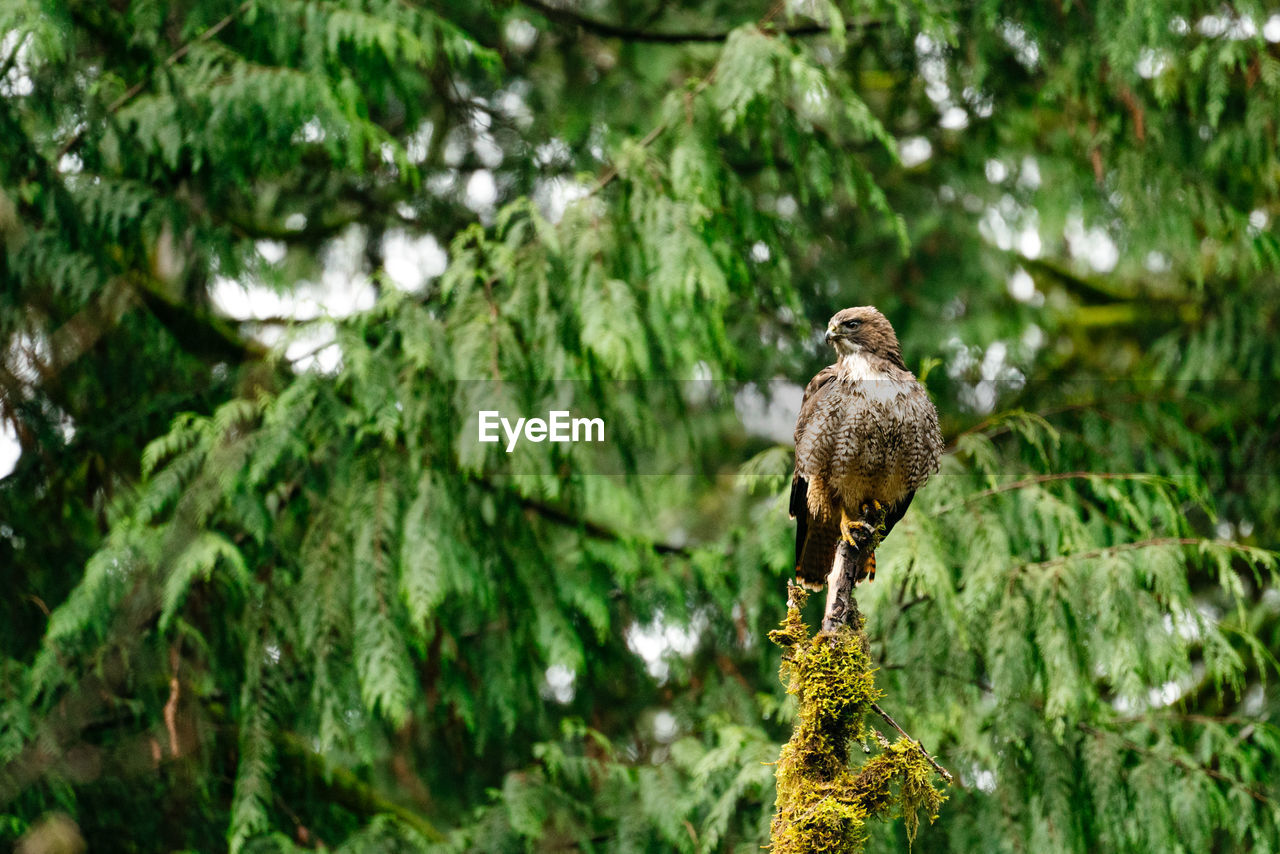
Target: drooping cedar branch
[
  {"x": 130, "y": 93},
  {"x": 607, "y": 29}
]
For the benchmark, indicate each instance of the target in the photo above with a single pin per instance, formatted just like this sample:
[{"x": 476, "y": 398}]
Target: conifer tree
[{"x": 270, "y": 592}]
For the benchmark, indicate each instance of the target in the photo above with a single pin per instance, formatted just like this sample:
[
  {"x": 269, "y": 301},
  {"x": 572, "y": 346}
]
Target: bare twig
[
  {"x": 1108, "y": 551},
  {"x": 1092, "y": 554},
  {"x": 574, "y": 519},
  {"x": 943, "y": 772},
  {"x": 1045, "y": 478},
  {"x": 793, "y": 594},
  {"x": 612, "y": 172},
  {"x": 171, "y": 706},
  {"x": 998, "y": 426}
]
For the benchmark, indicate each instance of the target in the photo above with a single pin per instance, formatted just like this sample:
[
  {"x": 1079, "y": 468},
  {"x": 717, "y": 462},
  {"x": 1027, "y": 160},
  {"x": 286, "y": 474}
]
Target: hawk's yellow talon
[{"x": 847, "y": 526}]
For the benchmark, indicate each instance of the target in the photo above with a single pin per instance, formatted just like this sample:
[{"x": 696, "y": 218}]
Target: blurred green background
[{"x": 263, "y": 262}]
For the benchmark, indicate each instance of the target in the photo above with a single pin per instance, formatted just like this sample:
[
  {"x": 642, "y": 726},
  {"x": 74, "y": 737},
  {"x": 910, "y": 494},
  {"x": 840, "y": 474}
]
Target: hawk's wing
[
  {"x": 896, "y": 511},
  {"x": 799, "y": 485}
]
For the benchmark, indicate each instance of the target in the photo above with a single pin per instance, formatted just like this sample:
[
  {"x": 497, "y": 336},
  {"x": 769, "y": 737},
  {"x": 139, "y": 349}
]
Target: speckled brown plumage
[{"x": 867, "y": 432}]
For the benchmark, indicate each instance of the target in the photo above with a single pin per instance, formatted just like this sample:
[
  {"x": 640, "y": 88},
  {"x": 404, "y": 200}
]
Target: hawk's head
[{"x": 863, "y": 329}]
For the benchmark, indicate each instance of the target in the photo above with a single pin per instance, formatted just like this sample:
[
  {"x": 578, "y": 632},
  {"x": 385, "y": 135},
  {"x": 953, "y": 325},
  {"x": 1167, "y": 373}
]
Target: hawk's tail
[
  {"x": 817, "y": 553},
  {"x": 820, "y": 554},
  {"x": 799, "y": 508}
]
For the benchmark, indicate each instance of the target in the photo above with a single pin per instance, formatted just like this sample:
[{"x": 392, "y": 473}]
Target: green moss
[{"x": 822, "y": 804}]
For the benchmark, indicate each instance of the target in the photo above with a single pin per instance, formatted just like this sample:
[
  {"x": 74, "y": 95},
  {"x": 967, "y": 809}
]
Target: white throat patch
[
  {"x": 876, "y": 384},
  {"x": 857, "y": 366}
]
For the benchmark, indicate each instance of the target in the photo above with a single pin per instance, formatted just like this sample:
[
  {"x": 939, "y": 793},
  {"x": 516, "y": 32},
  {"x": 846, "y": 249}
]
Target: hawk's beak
[{"x": 831, "y": 336}]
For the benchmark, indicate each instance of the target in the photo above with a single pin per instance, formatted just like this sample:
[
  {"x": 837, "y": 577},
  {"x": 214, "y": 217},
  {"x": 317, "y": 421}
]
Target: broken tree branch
[
  {"x": 942, "y": 772},
  {"x": 842, "y": 607},
  {"x": 850, "y": 568}
]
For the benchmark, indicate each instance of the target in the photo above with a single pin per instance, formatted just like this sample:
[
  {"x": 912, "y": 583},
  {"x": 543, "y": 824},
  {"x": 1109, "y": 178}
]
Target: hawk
[{"x": 867, "y": 438}]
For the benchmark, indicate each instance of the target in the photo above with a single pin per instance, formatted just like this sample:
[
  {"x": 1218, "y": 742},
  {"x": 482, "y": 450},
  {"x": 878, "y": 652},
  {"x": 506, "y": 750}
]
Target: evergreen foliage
[{"x": 270, "y": 594}]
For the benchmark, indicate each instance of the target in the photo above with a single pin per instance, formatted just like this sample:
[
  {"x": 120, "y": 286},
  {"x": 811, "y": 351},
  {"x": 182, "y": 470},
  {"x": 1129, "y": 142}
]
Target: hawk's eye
[{"x": 852, "y": 324}]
